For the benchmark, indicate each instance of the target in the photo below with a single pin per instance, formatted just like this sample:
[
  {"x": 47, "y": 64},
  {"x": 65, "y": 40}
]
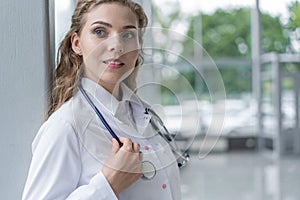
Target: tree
[
  {"x": 293, "y": 26},
  {"x": 294, "y": 19},
  {"x": 227, "y": 34},
  {"x": 274, "y": 35}
]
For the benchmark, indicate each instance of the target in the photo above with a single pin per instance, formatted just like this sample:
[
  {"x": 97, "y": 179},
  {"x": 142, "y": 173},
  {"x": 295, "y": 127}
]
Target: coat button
[{"x": 164, "y": 186}]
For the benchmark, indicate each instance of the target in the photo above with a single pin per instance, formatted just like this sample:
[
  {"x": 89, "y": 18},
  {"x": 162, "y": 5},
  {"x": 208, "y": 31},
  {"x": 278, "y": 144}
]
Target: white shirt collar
[{"x": 106, "y": 99}]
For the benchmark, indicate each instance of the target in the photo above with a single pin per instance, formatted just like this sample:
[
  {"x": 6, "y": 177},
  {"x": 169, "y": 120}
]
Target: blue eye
[
  {"x": 128, "y": 35},
  {"x": 99, "y": 32}
]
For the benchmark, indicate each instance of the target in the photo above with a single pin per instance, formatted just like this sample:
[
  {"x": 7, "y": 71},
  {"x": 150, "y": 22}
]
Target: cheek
[
  {"x": 132, "y": 57},
  {"x": 131, "y": 46},
  {"x": 94, "y": 59},
  {"x": 92, "y": 48}
]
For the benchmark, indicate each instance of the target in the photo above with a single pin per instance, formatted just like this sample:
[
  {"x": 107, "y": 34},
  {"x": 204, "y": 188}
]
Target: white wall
[{"x": 22, "y": 86}]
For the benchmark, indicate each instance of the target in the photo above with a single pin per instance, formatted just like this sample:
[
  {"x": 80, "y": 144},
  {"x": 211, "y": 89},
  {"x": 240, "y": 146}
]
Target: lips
[{"x": 113, "y": 63}]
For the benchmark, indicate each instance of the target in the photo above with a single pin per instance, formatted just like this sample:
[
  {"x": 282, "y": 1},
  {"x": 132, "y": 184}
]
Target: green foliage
[
  {"x": 227, "y": 33},
  {"x": 236, "y": 79},
  {"x": 176, "y": 85},
  {"x": 293, "y": 25},
  {"x": 224, "y": 31},
  {"x": 294, "y": 20},
  {"x": 274, "y": 38}
]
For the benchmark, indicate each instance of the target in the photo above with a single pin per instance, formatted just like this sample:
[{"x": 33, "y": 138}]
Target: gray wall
[{"x": 22, "y": 86}]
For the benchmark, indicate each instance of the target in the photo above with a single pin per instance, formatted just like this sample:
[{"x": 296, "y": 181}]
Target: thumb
[{"x": 115, "y": 146}]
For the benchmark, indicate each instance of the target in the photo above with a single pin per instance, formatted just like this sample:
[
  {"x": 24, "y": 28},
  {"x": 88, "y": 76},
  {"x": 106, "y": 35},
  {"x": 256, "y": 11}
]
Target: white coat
[{"x": 72, "y": 146}]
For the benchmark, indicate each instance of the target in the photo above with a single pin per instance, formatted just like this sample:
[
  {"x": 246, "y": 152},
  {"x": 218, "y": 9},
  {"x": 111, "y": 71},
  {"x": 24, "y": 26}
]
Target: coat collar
[{"x": 107, "y": 100}]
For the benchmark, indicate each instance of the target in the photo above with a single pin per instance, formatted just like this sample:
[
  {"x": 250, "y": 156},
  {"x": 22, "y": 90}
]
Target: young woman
[{"x": 75, "y": 155}]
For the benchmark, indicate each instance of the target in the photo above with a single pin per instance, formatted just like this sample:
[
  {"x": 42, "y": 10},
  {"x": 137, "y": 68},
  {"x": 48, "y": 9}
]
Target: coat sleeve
[{"x": 55, "y": 167}]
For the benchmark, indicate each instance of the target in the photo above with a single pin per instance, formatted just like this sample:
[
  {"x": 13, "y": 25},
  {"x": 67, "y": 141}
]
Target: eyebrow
[{"x": 110, "y": 26}]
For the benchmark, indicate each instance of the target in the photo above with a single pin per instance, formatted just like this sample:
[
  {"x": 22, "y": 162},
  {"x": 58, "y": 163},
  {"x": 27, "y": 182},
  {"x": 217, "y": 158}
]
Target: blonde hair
[{"x": 68, "y": 72}]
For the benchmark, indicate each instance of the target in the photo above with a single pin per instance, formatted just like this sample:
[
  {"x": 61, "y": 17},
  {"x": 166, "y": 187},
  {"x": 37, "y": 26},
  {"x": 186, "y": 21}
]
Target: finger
[
  {"x": 141, "y": 156},
  {"x": 115, "y": 147},
  {"x": 127, "y": 144},
  {"x": 136, "y": 147}
]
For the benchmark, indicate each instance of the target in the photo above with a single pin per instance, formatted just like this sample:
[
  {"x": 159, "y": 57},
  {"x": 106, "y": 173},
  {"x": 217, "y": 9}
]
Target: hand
[{"x": 124, "y": 165}]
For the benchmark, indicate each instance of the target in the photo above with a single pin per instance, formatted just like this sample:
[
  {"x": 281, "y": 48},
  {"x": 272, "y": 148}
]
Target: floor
[{"x": 241, "y": 176}]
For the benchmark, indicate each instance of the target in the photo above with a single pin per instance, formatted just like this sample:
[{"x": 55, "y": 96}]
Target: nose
[{"x": 115, "y": 44}]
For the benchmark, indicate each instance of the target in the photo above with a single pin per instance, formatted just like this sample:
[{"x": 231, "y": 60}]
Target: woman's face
[{"x": 108, "y": 43}]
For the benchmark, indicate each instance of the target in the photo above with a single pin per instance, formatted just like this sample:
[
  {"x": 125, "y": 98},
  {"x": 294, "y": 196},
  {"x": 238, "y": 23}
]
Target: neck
[{"x": 114, "y": 89}]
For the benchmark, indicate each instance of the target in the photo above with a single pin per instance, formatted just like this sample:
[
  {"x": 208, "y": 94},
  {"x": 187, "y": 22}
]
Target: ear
[{"x": 75, "y": 40}]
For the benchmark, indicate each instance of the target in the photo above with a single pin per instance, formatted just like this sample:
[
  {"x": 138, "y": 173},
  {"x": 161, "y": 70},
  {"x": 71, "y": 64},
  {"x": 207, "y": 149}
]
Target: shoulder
[
  {"x": 73, "y": 114},
  {"x": 61, "y": 127},
  {"x": 65, "y": 112},
  {"x": 56, "y": 131}
]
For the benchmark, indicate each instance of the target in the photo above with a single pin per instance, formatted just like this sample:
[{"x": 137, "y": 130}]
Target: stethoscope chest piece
[{"x": 149, "y": 170}]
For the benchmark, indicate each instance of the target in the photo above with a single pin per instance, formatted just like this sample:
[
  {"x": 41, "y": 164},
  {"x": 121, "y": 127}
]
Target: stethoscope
[{"x": 149, "y": 170}]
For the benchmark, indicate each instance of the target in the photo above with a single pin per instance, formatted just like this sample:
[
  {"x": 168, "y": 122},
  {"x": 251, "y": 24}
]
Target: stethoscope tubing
[
  {"x": 145, "y": 177},
  {"x": 107, "y": 126},
  {"x": 147, "y": 111}
]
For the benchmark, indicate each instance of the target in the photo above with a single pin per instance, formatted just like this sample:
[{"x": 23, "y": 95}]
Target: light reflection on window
[{"x": 63, "y": 14}]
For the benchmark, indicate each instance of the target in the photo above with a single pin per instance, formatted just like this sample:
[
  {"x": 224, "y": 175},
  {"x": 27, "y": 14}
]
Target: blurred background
[{"x": 224, "y": 76}]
